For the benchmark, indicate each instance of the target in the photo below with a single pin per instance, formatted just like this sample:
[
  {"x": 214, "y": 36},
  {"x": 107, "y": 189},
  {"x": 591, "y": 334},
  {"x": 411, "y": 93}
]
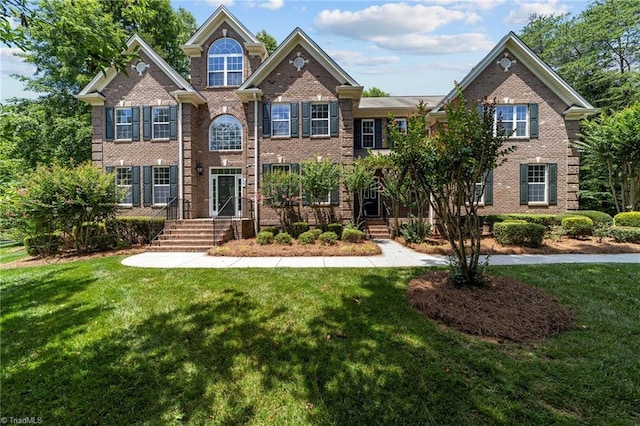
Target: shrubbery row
[{"x": 304, "y": 235}]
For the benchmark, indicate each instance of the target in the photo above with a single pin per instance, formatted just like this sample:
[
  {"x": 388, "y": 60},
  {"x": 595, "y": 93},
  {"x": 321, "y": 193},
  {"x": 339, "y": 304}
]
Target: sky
[{"x": 412, "y": 47}]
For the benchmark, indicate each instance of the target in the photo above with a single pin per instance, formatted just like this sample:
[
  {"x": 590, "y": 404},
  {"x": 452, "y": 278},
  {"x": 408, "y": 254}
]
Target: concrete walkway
[{"x": 393, "y": 255}]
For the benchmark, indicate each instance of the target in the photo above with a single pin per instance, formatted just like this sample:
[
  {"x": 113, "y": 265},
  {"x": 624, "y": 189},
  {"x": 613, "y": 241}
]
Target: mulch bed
[{"x": 505, "y": 309}]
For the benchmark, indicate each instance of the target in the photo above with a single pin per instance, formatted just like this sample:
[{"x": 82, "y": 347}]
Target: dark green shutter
[
  {"x": 109, "y": 125},
  {"x": 109, "y": 169},
  {"x": 335, "y": 195},
  {"x": 135, "y": 186},
  {"x": 357, "y": 133},
  {"x": 294, "y": 120},
  {"x": 173, "y": 182},
  {"x": 524, "y": 184},
  {"x": 146, "y": 123},
  {"x": 553, "y": 184},
  {"x": 488, "y": 188},
  {"x": 295, "y": 168},
  {"x": 333, "y": 118},
  {"x": 173, "y": 122},
  {"x": 266, "y": 119},
  {"x": 135, "y": 123},
  {"x": 533, "y": 121},
  {"x": 378, "y": 133},
  {"x": 266, "y": 168},
  {"x": 306, "y": 119},
  {"x": 146, "y": 186}
]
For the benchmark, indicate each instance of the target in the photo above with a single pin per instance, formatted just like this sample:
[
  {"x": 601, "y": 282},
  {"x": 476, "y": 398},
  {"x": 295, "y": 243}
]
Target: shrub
[
  {"x": 316, "y": 232},
  {"x": 352, "y": 235},
  {"x": 336, "y": 228},
  {"x": 328, "y": 238},
  {"x": 577, "y": 226},
  {"x": 135, "y": 230},
  {"x": 308, "y": 237},
  {"x": 43, "y": 245},
  {"x": 625, "y": 234},
  {"x": 271, "y": 229},
  {"x": 283, "y": 238},
  {"x": 514, "y": 221},
  {"x": 627, "y": 219},
  {"x": 264, "y": 238},
  {"x": 599, "y": 218},
  {"x": 519, "y": 234},
  {"x": 298, "y": 228},
  {"x": 415, "y": 231},
  {"x": 546, "y": 220}
]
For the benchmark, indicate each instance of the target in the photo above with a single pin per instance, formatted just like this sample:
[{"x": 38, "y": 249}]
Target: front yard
[{"x": 93, "y": 342}]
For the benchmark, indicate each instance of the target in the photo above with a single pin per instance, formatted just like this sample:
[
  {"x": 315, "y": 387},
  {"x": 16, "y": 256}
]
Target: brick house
[{"x": 203, "y": 145}]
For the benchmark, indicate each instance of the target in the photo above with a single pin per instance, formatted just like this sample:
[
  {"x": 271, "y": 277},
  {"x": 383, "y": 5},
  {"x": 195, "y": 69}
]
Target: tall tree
[
  {"x": 268, "y": 40},
  {"x": 374, "y": 92}
]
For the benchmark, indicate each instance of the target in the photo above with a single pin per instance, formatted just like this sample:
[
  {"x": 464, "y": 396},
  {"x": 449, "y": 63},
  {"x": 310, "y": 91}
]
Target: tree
[
  {"x": 358, "y": 178},
  {"x": 268, "y": 40},
  {"x": 374, "y": 92},
  {"x": 280, "y": 190},
  {"x": 451, "y": 167},
  {"x": 319, "y": 179}
]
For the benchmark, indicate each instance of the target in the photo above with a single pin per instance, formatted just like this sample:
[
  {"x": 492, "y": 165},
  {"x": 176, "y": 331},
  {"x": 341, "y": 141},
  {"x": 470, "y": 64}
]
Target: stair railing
[
  {"x": 167, "y": 212},
  {"x": 243, "y": 203}
]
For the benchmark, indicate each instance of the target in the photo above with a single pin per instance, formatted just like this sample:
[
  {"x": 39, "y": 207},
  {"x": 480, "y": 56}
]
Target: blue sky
[{"x": 417, "y": 47}]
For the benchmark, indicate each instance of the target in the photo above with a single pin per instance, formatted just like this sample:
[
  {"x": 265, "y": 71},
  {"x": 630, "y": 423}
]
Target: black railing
[
  {"x": 167, "y": 212},
  {"x": 386, "y": 215},
  {"x": 237, "y": 208}
]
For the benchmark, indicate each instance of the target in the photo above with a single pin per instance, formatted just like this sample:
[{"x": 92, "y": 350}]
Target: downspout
[
  {"x": 256, "y": 153},
  {"x": 180, "y": 164}
]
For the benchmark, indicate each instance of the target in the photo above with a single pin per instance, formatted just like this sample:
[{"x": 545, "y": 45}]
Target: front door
[
  {"x": 371, "y": 200},
  {"x": 224, "y": 194}
]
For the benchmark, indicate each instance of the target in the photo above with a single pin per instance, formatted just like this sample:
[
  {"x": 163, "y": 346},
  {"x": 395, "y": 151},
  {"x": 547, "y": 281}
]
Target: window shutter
[
  {"x": 333, "y": 118},
  {"x": 146, "y": 186},
  {"x": 306, "y": 119},
  {"x": 295, "y": 168},
  {"x": 173, "y": 122},
  {"x": 266, "y": 168},
  {"x": 357, "y": 133},
  {"x": 294, "y": 120},
  {"x": 109, "y": 124},
  {"x": 173, "y": 181},
  {"x": 524, "y": 184},
  {"x": 135, "y": 186},
  {"x": 335, "y": 195},
  {"x": 109, "y": 169},
  {"x": 146, "y": 123},
  {"x": 553, "y": 184},
  {"x": 533, "y": 121},
  {"x": 378, "y": 133},
  {"x": 266, "y": 119},
  {"x": 135, "y": 123},
  {"x": 488, "y": 188}
]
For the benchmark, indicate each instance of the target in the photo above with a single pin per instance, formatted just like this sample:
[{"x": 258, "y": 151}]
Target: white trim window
[
  {"x": 515, "y": 119},
  {"x": 225, "y": 134},
  {"x": 124, "y": 182},
  {"x": 124, "y": 123},
  {"x": 537, "y": 183},
  {"x": 161, "y": 185},
  {"x": 286, "y": 168},
  {"x": 160, "y": 120},
  {"x": 281, "y": 119},
  {"x": 402, "y": 125},
  {"x": 368, "y": 135},
  {"x": 320, "y": 119},
  {"x": 225, "y": 63}
]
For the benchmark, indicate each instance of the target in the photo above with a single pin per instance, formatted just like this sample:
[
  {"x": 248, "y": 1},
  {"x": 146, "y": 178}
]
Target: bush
[
  {"x": 415, "y": 231},
  {"x": 264, "y": 238},
  {"x": 328, "y": 238},
  {"x": 352, "y": 235},
  {"x": 519, "y": 234},
  {"x": 316, "y": 232},
  {"x": 308, "y": 237},
  {"x": 336, "y": 228},
  {"x": 599, "y": 218},
  {"x": 577, "y": 226},
  {"x": 625, "y": 234},
  {"x": 283, "y": 238},
  {"x": 627, "y": 219},
  {"x": 135, "y": 230},
  {"x": 546, "y": 220},
  {"x": 43, "y": 245},
  {"x": 271, "y": 229},
  {"x": 298, "y": 228}
]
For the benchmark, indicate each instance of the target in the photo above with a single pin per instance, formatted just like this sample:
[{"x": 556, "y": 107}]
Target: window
[
  {"x": 320, "y": 119},
  {"x": 280, "y": 118},
  {"x": 402, "y": 125},
  {"x": 514, "y": 119},
  {"x": 160, "y": 118},
  {"x": 225, "y": 63},
  {"x": 537, "y": 183},
  {"x": 368, "y": 134},
  {"x": 225, "y": 134},
  {"x": 161, "y": 185},
  {"x": 124, "y": 124},
  {"x": 124, "y": 181},
  {"x": 280, "y": 168}
]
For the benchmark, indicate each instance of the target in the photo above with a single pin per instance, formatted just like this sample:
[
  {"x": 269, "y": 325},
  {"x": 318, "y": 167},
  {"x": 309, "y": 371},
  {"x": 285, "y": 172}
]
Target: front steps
[
  {"x": 378, "y": 229},
  {"x": 192, "y": 235}
]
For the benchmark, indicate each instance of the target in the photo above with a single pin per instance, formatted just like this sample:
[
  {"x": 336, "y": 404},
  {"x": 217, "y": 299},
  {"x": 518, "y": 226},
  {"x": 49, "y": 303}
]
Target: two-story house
[{"x": 203, "y": 145}]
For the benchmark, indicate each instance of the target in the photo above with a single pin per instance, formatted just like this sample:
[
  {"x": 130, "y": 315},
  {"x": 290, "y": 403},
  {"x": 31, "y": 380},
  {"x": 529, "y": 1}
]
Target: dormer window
[{"x": 225, "y": 63}]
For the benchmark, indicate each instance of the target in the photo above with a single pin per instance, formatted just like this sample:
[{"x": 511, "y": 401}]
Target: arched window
[
  {"x": 225, "y": 63},
  {"x": 225, "y": 134}
]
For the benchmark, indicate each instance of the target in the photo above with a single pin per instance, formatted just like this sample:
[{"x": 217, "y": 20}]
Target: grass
[
  {"x": 93, "y": 342},
  {"x": 11, "y": 251}
]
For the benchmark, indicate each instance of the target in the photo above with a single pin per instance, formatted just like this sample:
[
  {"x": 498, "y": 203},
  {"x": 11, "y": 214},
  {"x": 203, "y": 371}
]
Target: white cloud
[
  {"x": 525, "y": 10},
  {"x": 422, "y": 44},
  {"x": 271, "y": 4},
  {"x": 466, "y": 4},
  {"x": 9, "y": 52},
  {"x": 350, "y": 58},
  {"x": 217, "y": 3}
]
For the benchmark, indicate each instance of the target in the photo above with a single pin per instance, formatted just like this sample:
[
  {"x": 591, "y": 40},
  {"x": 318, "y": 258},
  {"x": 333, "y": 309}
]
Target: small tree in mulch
[
  {"x": 320, "y": 181},
  {"x": 280, "y": 190}
]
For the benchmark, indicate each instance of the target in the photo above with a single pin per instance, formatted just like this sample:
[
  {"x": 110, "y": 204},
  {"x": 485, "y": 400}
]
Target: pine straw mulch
[
  {"x": 67, "y": 257},
  {"x": 504, "y": 309},
  {"x": 250, "y": 248}
]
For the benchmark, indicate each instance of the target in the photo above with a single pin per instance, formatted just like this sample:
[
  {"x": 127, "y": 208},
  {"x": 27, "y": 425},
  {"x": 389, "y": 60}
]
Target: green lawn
[{"x": 93, "y": 342}]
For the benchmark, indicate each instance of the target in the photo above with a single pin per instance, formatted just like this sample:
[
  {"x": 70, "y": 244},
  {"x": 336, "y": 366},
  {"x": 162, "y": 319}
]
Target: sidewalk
[{"x": 393, "y": 255}]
